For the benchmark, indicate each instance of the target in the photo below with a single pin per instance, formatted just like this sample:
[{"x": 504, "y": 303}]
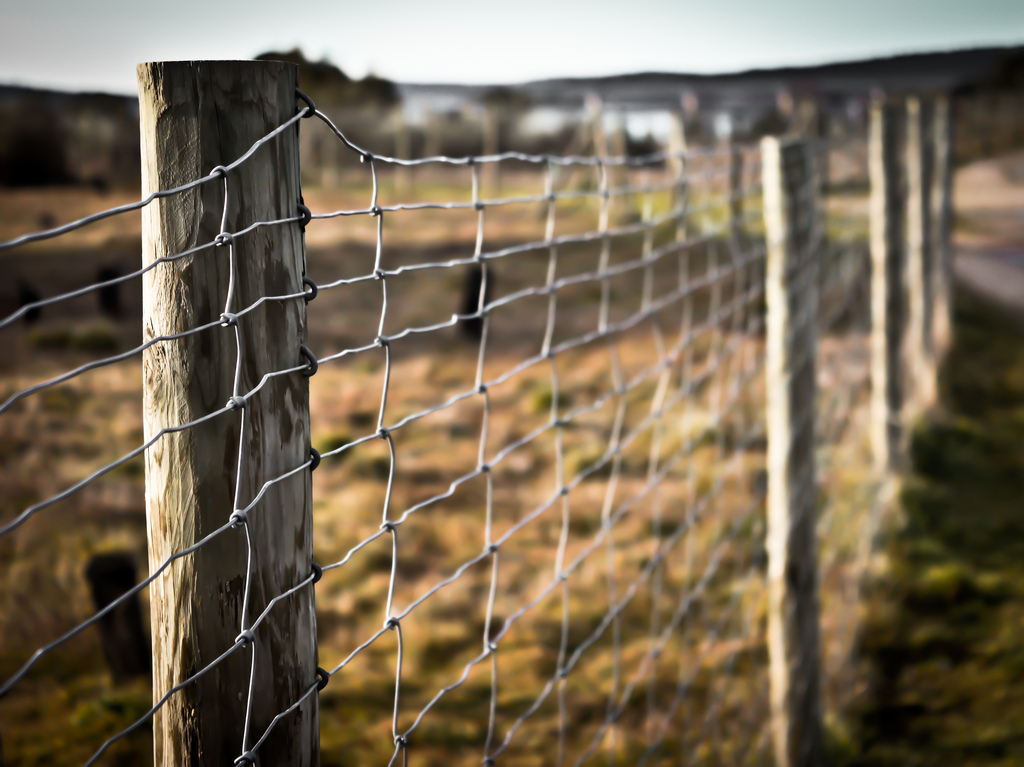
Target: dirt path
[{"x": 989, "y": 229}]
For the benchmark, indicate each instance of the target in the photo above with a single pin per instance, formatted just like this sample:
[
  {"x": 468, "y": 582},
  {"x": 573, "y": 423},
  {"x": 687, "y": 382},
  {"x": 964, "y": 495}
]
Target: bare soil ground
[{"x": 990, "y": 229}]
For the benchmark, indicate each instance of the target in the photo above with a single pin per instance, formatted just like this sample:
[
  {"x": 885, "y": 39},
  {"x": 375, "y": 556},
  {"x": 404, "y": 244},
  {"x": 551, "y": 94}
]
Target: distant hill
[
  {"x": 949, "y": 70},
  {"x": 53, "y": 137}
]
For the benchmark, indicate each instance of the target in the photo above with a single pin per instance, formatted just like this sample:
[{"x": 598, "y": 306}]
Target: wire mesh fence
[{"x": 537, "y": 424}]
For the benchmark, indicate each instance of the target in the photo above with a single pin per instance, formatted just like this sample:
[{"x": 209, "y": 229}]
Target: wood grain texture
[
  {"x": 194, "y": 117},
  {"x": 794, "y": 645}
]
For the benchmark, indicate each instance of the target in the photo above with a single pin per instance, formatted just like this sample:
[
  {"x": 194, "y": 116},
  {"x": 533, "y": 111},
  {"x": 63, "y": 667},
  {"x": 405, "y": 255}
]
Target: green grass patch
[{"x": 943, "y": 627}]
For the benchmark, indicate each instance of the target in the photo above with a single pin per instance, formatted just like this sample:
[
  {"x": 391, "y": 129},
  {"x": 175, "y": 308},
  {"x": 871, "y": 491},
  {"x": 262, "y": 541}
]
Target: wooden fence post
[
  {"x": 794, "y": 644},
  {"x": 942, "y": 222},
  {"x": 919, "y": 347},
  {"x": 196, "y": 116},
  {"x": 887, "y": 294}
]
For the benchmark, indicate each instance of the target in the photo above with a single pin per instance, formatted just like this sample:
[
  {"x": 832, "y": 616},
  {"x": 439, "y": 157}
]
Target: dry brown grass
[{"x": 709, "y": 677}]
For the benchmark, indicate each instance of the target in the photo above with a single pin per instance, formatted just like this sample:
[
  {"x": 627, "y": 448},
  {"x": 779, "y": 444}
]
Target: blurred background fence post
[
  {"x": 403, "y": 150},
  {"x": 942, "y": 220},
  {"x": 919, "y": 348},
  {"x": 206, "y": 600},
  {"x": 491, "y": 119},
  {"x": 791, "y": 213},
  {"x": 888, "y": 297}
]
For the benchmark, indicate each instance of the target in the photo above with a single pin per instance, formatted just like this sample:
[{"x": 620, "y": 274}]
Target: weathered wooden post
[
  {"x": 919, "y": 348},
  {"x": 791, "y": 223},
  {"x": 196, "y": 116},
  {"x": 942, "y": 223},
  {"x": 888, "y": 298}
]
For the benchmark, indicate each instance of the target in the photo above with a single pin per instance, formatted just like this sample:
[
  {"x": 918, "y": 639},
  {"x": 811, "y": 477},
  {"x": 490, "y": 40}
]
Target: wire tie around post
[
  {"x": 307, "y": 216},
  {"x": 311, "y": 358},
  {"x": 310, "y": 108},
  {"x": 313, "y": 291}
]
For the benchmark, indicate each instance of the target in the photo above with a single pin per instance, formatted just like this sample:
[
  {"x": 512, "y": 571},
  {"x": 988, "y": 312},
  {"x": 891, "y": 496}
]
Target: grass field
[{"x": 942, "y": 634}]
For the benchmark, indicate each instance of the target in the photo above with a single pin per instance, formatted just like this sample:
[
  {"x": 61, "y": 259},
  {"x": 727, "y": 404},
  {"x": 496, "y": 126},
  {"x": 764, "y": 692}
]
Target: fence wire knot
[
  {"x": 238, "y": 518},
  {"x": 246, "y": 637}
]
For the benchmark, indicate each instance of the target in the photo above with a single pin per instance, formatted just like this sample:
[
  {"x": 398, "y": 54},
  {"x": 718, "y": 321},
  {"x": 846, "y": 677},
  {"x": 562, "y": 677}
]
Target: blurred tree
[
  {"x": 1008, "y": 73},
  {"x": 32, "y": 146},
  {"x": 326, "y": 83}
]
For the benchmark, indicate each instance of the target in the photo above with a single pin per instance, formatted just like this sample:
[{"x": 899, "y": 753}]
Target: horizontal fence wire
[{"x": 615, "y": 588}]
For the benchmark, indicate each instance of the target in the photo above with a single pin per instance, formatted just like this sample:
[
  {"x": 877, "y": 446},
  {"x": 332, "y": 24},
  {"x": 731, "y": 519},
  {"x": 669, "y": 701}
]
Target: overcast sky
[{"x": 95, "y": 44}]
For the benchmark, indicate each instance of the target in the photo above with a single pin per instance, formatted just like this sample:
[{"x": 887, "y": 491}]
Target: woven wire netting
[{"x": 539, "y": 413}]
